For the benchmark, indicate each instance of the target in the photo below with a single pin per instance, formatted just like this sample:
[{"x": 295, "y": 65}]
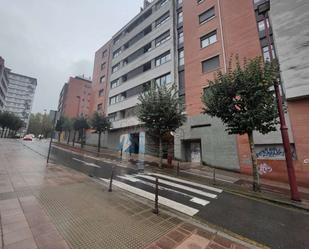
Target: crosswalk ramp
[{"x": 181, "y": 195}]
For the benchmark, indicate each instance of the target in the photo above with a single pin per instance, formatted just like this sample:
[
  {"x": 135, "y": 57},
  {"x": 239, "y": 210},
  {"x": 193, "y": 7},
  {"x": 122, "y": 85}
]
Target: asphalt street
[{"x": 263, "y": 222}]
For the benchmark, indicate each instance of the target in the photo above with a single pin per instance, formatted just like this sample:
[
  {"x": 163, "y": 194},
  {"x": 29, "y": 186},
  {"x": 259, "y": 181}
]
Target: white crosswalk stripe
[
  {"x": 162, "y": 200},
  {"x": 174, "y": 193},
  {"x": 188, "y": 182},
  {"x": 193, "y": 199},
  {"x": 172, "y": 184}
]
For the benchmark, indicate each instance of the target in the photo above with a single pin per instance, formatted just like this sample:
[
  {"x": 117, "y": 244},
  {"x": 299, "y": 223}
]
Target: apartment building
[
  {"x": 74, "y": 99},
  {"x": 141, "y": 53},
  {"x": 186, "y": 43},
  {"x": 4, "y": 81},
  {"x": 291, "y": 42},
  {"x": 20, "y": 96}
]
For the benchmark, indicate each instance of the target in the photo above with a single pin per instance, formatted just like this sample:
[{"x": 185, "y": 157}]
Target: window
[
  {"x": 179, "y": 2},
  {"x": 209, "y": 39},
  {"x": 112, "y": 116},
  {"x": 162, "y": 38},
  {"x": 179, "y": 17},
  {"x": 199, "y": 1},
  {"x": 266, "y": 53},
  {"x": 101, "y": 92},
  {"x": 181, "y": 57},
  {"x": 103, "y": 66},
  {"x": 261, "y": 25},
  {"x": 115, "y": 83},
  {"x": 163, "y": 59},
  {"x": 180, "y": 37},
  {"x": 210, "y": 64},
  {"x": 102, "y": 79},
  {"x": 117, "y": 53},
  {"x": 161, "y": 3},
  {"x": 162, "y": 19},
  {"x": 117, "y": 39},
  {"x": 163, "y": 80},
  {"x": 117, "y": 98},
  {"x": 104, "y": 53},
  {"x": 207, "y": 15},
  {"x": 115, "y": 68},
  {"x": 99, "y": 107}
]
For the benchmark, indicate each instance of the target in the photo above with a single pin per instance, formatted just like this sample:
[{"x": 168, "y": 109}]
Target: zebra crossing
[{"x": 181, "y": 195}]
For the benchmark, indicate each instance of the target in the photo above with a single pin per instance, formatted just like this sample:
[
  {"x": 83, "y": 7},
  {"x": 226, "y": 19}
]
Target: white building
[{"x": 20, "y": 95}]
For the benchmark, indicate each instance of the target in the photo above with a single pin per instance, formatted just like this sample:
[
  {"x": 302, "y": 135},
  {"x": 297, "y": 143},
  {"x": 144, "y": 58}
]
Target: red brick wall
[
  {"x": 74, "y": 106},
  {"x": 97, "y": 74},
  {"x": 299, "y": 116},
  {"x": 240, "y": 37}
]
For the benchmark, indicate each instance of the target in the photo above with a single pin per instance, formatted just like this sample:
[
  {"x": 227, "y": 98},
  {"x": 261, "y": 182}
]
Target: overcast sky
[{"x": 54, "y": 39}]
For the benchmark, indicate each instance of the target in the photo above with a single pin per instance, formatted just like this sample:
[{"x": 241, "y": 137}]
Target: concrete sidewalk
[
  {"x": 270, "y": 190},
  {"x": 54, "y": 207}
]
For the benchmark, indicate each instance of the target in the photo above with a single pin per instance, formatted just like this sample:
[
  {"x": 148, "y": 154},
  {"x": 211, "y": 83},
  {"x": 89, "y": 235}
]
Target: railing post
[
  {"x": 111, "y": 181},
  {"x": 156, "y": 208}
]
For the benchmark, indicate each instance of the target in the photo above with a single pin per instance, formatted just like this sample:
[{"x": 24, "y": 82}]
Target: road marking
[
  {"x": 162, "y": 200},
  {"x": 193, "y": 199},
  {"x": 176, "y": 185},
  {"x": 199, "y": 201},
  {"x": 86, "y": 163},
  {"x": 188, "y": 182}
]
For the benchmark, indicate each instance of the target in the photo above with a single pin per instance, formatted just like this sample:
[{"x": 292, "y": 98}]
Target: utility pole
[{"x": 263, "y": 9}]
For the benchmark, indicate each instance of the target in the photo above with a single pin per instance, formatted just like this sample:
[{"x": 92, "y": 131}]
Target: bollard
[
  {"x": 178, "y": 168},
  {"x": 156, "y": 209},
  {"x": 111, "y": 181},
  {"x": 214, "y": 176}
]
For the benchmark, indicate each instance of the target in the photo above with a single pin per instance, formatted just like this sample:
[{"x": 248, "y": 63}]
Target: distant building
[
  {"x": 74, "y": 99},
  {"x": 20, "y": 95},
  {"x": 4, "y": 81}
]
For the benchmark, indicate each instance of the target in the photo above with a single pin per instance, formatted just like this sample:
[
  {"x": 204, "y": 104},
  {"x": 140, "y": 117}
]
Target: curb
[{"x": 252, "y": 195}]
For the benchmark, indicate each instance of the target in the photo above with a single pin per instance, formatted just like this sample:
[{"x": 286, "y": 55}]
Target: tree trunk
[
  {"x": 2, "y": 133},
  {"x": 160, "y": 153},
  {"x": 82, "y": 139},
  {"x": 69, "y": 136},
  {"x": 99, "y": 142},
  {"x": 256, "y": 177},
  {"x": 6, "y": 132},
  {"x": 74, "y": 137}
]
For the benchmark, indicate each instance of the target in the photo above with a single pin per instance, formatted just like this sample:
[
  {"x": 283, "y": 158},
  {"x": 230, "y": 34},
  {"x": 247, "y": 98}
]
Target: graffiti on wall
[
  {"x": 264, "y": 168},
  {"x": 274, "y": 152}
]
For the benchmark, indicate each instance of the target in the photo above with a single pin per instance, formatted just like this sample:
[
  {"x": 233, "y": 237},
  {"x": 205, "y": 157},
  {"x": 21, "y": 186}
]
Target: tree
[
  {"x": 68, "y": 126},
  {"x": 161, "y": 112},
  {"x": 244, "y": 100},
  {"x": 35, "y": 124},
  {"x": 100, "y": 123},
  {"x": 10, "y": 124},
  {"x": 59, "y": 127},
  {"x": 46, "y": 125},
  {"x": 80, "y": 124}
]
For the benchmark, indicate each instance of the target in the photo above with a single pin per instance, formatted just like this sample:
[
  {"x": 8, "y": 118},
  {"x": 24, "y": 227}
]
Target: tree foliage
[
  {"x": 10, "y": 122},
  {"x": 40, "y": 124},
  {"x": 161, "y": 112},
  {"x": 101, "y": 124},
  {"x": 80, "y": 124},
  {"x": 243, "y": 99}
]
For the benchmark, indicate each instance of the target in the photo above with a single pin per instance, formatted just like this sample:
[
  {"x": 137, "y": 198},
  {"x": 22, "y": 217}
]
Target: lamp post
[{"x": 262, "y": 10}]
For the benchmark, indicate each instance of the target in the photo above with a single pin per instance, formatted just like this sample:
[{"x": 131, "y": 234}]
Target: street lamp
[{"x": 262, "y": 10}]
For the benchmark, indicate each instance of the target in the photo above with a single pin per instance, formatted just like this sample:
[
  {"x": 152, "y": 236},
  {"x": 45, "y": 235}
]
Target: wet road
[{"x": 268, "y": 224}]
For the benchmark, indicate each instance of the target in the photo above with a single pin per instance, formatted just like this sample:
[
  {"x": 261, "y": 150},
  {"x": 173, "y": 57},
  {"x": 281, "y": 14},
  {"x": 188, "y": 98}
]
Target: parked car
[{"x": 28, "y": 137}]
